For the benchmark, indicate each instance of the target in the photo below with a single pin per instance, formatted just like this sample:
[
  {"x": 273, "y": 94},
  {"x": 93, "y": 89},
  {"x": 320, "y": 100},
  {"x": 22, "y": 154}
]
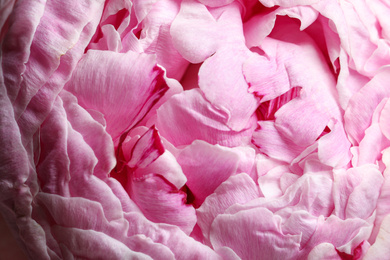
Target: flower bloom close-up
[{"x": 195, "y": 129}]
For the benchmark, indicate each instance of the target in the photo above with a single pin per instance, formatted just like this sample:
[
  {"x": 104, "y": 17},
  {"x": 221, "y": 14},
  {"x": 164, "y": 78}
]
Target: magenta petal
[
  {"x": 147, "y": 149},
  {"x": 122, "y": 86}
]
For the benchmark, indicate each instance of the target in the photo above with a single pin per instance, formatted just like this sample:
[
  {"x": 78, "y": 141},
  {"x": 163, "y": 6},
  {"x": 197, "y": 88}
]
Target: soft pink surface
[{"x": 194, "y": 129}]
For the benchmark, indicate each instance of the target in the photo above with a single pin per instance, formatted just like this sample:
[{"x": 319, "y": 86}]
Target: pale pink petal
[
  {"x": 261, "y": 25},
  {"x": 237, "y": 189},
  {"x": 357, "y": 120},
  {"x": 215, "y": 3},
  {"x": 323, "y": 251},
  {"x": 287, "y": 3},
  {"x": 311, "y": 193},
  {"x": 161, "y": 202},
  {"x": 60, "y": 28},
  {"x": 374, "y": 141},
  {"x": 380, "y": 10},
  {"x": 207, "y": 33},
  {"x": 207, "y": 166},
  {"x": 274, "y": 144},
  {"x": 380, "y": 249},
  {"x": 98, "y": 245},
  {"x": 188, "y": 116},
  {"x": 199, "y": 43},
  {"x": 300, "y": 223},
  {"x": 384, "y": 120},
  {"x": 93, "y": 133},
  {"x": 266, "y": 76},
  {"x": 383, "y": 206},
  {"x": 182, "y": 246},
  {"x": 356, "y": 191},
  {"x": 333, "y": 148},
  {"x": 222, "y": 81},
  {"x": 261, "y": 230},
  {"x": 344, "y": 235},
  {"x": 156, "y": 39},
  {"x": 123, "y": 87}
]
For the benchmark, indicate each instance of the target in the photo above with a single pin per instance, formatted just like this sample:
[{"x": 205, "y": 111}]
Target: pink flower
[{"x": 195, "y": 129}]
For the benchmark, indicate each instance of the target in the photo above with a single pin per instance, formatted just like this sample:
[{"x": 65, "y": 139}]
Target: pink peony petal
[
  {"x": 380, "y": 248},
  {"x": 95, "y": 91},
  {"x": 239, "y": 188},
  {"x": 225, "y": 86},
  {"x": 194, "y": 118},
  {"x": 160, "y": 202},
  {"x": 262, "y": 231},
  {"x": 333, "y": 148},
  {"x": 207, "y": 32},
  {"x": 272, "y": 143},
  {"x": 286, "y": 3},
  {"x": 356, "y": 191},
  {"x": 358, "y": 120},
  {"x": 207, "y": 166}
]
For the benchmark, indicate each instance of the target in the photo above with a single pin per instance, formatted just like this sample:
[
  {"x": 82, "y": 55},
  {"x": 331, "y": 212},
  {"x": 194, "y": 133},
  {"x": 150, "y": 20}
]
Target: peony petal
[
  {"x": 374, "y": 141},
  {"x": 17, "y": 42},
  {"x": 207, "y": 33},
  {"x": 358, "y": 120},
  {"x": 194, "y": 118},
  {"x": 92, "y": 244},
  {"x": 384, "y": 120},
  {"x": 97, "y": 86},
  {"x": 146, "y": 150},
  {"x": 356, "y": 191},
  {"x": 262, "y": 231},
  {"x": 239, "y": 188},
  {"x": 287, "y": 3},
  {"x": 222, "y": 81},
  {"x": 60, "y": 28},
  {"x": 333, "y": 148},
  {"x": 380, "y": 249},
  {"x": 272, "y": 143},
  {"x": 207, "y": 166},
  {"x": 161, "y": 202}
]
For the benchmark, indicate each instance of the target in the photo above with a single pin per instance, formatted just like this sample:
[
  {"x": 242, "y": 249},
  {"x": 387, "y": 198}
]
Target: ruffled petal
[
  {"x": 369, "y": 97},
  {"x": 262, "y": 231},
  {"x": 356, "y": 191},
  {"x": 207, "y": 166},
  {"x": 161, "y": 202},
  {"x": 222, "y": 81},
  {"x": 123, "y": 87},
  {"x": 239, "y": 188},
  {"x": 194, "y": 118},
  {"x": 207, "y": 33}
]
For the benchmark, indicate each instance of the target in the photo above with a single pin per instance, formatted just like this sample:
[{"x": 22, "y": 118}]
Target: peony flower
[{"x": 195, "y": 129}]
